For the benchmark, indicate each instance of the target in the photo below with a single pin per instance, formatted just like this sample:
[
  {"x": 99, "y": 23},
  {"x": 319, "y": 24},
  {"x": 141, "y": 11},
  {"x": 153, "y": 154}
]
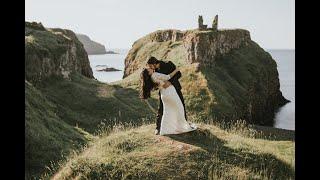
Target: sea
[
  {"x": 285, "y": 59},
  {"x": 285, "y": 117}
]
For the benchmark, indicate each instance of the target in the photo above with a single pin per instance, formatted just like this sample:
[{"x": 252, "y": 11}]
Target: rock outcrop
[
  {"x": 225, "y": 75},
  {"x": 108, "y": 69},
  {"x": 111, "y": 52},
  {"x": 53, "y": 51},
  {"x": 198, "y": 46},
  {"x": 91, "y": 46}
]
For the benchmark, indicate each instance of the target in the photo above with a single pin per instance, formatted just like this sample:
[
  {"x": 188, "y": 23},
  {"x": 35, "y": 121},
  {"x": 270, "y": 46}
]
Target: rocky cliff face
[
  {"x": 206, "y": 47},
  {"x": 225, "y": 75},
  {"x": 90, "y": 46},
  {"x": 53, "y": 52}
]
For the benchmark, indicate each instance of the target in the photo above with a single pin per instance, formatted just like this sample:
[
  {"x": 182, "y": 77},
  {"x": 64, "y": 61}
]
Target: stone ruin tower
[
  {"x": 201, "y": 26},
  {"x": 215, "y": 23}
]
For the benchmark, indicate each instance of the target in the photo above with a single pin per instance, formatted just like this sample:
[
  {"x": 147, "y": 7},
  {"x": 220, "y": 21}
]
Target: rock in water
[
  {"x": 225, "y": 75},
  {"x": 111, "y": 52},
  {"x": 90, "y": 46},
  {"x": 108, "y": 69},
  {"x": 53, "y": 51}
]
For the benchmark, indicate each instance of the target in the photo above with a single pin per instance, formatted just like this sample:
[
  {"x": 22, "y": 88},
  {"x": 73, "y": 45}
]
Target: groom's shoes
[{"x": 156, "y": 132}]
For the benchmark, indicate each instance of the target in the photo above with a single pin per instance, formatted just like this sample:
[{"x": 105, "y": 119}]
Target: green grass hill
[{"x": 208, "y": 153}]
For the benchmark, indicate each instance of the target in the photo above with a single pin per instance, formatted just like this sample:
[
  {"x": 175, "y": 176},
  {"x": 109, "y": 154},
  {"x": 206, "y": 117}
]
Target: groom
[{"x": 166, "y": 68}]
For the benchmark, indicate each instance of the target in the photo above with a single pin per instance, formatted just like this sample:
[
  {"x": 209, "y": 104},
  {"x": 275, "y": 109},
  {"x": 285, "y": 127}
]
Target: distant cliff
[
  {"x": 90, "y": 46},
  {"x": 225, "y": 75},
  {"x": 52, "y": 51}
]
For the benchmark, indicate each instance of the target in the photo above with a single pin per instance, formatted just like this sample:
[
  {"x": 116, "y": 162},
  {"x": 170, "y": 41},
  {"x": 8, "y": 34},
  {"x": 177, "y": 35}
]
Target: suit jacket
[{"x": 167, "y": 68}]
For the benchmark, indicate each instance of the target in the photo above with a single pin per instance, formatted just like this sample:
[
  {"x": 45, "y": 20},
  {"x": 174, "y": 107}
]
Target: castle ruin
[
  {"x": 202, "y": 26},
  {"x": 215, "y": 23},
  {"x": 200, "y": 23}
]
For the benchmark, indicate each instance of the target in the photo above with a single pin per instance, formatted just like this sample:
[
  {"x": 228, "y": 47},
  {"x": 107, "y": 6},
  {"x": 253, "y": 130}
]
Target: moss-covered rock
[
  {"x": 225, "y": 75},
  {"x": 53, "y": 52}
]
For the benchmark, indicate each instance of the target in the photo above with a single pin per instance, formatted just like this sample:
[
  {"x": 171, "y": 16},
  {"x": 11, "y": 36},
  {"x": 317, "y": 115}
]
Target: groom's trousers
[{"x": 160, "y": 109}]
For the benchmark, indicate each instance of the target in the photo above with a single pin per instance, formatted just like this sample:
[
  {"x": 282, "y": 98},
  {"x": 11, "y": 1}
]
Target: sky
[{"x": 118, "y": 23}]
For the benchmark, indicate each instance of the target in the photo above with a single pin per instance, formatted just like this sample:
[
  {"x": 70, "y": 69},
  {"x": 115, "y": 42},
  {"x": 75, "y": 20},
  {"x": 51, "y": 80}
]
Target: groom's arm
[{"x": 177, "y": 75}]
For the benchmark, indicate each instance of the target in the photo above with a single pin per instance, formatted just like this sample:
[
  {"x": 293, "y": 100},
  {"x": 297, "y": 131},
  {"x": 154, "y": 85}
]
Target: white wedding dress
[{"x": 173, "y": 119}]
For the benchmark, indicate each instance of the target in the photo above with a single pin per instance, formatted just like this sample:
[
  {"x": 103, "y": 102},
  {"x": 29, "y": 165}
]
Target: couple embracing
[{"x": 171, "y": 117}]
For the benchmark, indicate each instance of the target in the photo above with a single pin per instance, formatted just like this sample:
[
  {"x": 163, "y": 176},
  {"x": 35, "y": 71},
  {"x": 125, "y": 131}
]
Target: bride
[{"x": 173, "y": 120}]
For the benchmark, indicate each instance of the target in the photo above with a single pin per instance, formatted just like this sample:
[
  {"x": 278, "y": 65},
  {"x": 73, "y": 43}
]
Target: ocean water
[
  {"x": 110, "y": 60},
  {"x": 284, "y": 118}
]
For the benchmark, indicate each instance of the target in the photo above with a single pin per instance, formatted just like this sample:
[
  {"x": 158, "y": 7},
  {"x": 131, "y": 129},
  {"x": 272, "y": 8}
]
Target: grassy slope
[
  {"x": 87, "y": 102},
  {"x": 63, "y": 115},
  {"x": 47, "y": 136},
  {"x": 209, "y": 153}
]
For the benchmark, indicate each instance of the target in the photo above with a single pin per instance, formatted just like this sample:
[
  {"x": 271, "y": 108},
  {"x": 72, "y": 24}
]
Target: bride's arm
[
  {"x": 158, "y": 78},
  {"x": 174, "y": 72},
  {"x": 169, "y": 76},
  {"x": 161, "y": 77}
]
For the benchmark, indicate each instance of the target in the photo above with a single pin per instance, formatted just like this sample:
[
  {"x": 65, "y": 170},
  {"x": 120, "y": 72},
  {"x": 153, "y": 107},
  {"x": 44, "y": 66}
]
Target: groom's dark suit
[{"x": 167, "y": 68}]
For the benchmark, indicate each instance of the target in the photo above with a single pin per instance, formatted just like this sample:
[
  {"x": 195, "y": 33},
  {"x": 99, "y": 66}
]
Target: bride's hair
[{"x": 146, "y": 84}]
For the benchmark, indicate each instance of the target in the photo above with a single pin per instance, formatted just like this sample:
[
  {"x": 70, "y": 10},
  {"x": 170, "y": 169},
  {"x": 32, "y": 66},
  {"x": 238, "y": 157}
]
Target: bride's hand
[{"x": 166, "y": 84}]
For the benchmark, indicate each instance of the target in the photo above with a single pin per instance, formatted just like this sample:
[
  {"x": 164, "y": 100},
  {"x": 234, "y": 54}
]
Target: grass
[
  {"x": 47, "y": 137},
  {"x": 208, "y": 153},
  {"x": 86, "y": 102}
]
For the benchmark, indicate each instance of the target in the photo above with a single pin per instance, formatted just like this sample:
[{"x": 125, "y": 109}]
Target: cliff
[
  {"x": 51, "y": 51},
  {"x": 225, "y": 75},
  {"x": 90, "y": 46}
]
